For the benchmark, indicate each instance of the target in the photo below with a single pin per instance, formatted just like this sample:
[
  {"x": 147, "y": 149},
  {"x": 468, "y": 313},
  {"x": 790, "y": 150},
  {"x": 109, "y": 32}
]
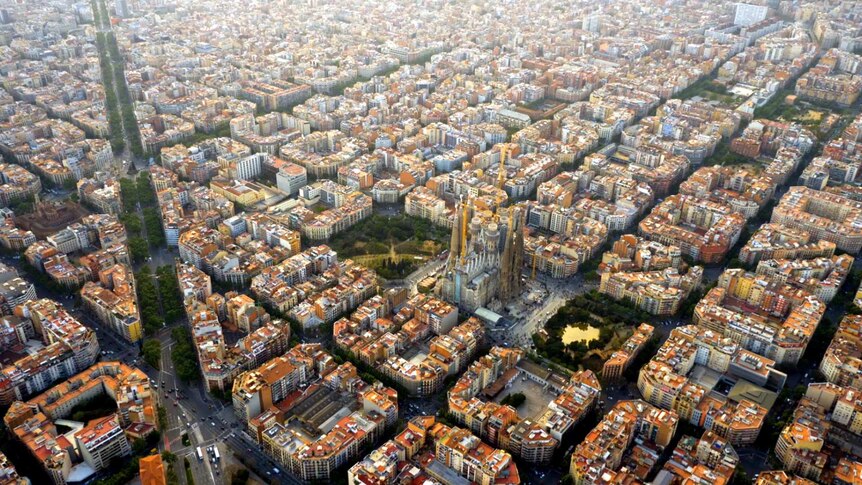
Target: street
[
  {"x": 192, "y": 412},
  {"x": 530, "y": 317}
]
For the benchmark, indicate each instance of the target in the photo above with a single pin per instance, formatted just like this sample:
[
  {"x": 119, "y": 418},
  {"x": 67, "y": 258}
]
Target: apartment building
[
  {"x": 101, "y": 441},
  {"x": 742, "y": 189},
  {"x": 256, "y": 391},
  {"x": 96, "y": 443},
  {"x": 14, "y": 291},
  {"x": 291, "y": 177},
  {"x": 532, "y": 438},
  {"x": 9, "y": 475},
  {"x": 114, "y": 302},
  {"x": 620, "y": 360},
  {"x": 827, "y": 418},
  {"x": 423, "y": 202},
  {"x": 822, "y": 277},
  {"x": 834, "y": 80},
  {"x": 69, "y": 347},
  {"x": 842, "y": 363},
  {"x": 710, "y": 459},
  {"x": 780, "y": 478},
  {"x": 275, "y": 94},
  {"x": 668, "y": 381},
  {"x": 244, "y": 192},
  {"x": 102, "y": 193},
  {"x": 277, "y": 285},
  {"x": 16, "y": 184},
  {"x": 347, "y": 207},
  {"x": 368, "y": 334},
  {"x": 307, "y": 378},
  {"x": 459, "y": 450},
  {"x": 629, "y": 425},
  {"x": 825, "y": 216},
  {"x": 768, "y": 318},
  {"x": 778, "y": 241},
  {"x": 702, "y": 229},
  {"x": 648, "y": 274}
]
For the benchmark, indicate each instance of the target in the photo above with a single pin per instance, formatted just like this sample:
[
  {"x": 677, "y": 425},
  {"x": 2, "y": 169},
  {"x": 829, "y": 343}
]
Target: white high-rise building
[
  {"x": 748, "y": 14},
  {"x": 291, "y": 177},
  {"x": 101, "y": 441},
  {"x": 122, "y": 8},
  {"x": 249, "y": 168}
]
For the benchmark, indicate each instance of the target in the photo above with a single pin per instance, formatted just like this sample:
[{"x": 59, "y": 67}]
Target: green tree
[
  {"x": 139, "y": 249},
  {"x": 148, "y": 301},
  {"x": 163, "y": 417},
  {"x": 152, "y": 350},
  {"x": 190, "y": 479},
  {"x": 514, "y": 400},
  {"x": 184, "y": 355},
  {"x": 740, "y": 477},
  {"x": 240, "y": 477},
  {"x": 139, "y": 446},
  {"x": 132, "y": 223},
  {"x": 129, "y": 193},
  {"x": 153, "y": 223},
  {"x": 145, "y": 193},
  {"x": 169, "y": 292},
  {"x": 168, "y": 457}
]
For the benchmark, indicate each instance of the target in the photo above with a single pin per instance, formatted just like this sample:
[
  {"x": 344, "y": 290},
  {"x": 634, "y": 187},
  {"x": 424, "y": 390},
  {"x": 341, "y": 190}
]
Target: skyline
[{"x": 431, "y": 242}]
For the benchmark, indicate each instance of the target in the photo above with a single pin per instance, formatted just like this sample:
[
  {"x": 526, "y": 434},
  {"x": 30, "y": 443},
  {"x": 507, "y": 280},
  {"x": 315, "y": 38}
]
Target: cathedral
[{"x": 486, "y": 255}]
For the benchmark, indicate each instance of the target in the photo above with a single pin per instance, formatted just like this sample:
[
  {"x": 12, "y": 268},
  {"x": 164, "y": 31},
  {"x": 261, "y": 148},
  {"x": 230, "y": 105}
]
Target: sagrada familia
[{"x": 486, "y": 255}]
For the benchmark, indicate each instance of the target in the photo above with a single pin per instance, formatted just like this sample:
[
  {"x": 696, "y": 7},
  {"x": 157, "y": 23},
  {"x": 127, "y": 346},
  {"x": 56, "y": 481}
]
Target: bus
[
  {"x": 215, "y": 453},
  {"x": 200, "y": 455}
]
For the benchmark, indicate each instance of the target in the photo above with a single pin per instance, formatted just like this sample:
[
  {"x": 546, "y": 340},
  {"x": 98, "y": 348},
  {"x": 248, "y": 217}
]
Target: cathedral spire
[
  {"x": 464, "y": 221},
  {"x": 501, "y": 175},
  {"x": 455, "y": 240}
]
